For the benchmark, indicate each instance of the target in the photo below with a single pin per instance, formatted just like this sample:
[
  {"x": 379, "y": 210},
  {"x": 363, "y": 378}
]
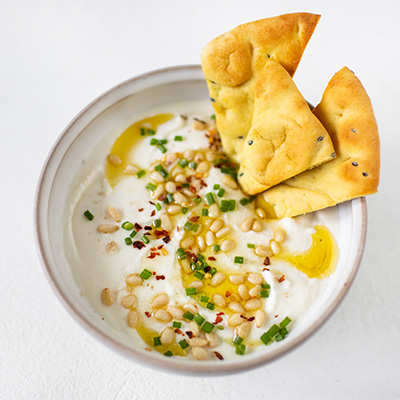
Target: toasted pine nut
[
  {"x": 236, "y": 279},
  {"x": 216, "y": 225},
  {"x": 133, "y": 319},
  {"x": 208, "y": 222},
  {"x": 107, "y": 297},
  {"x": 259, "y": 318},
  {"x": 162, "y": 315},
  {"x": 191, "y": 308},
  {"x": 255, "y": 278},
  {"x": 166, "y": 222},
  {"x": 246, "y": 225},
  {"x": 176, "y": 312},
  {"x": 217, "y": 279},
  {"x": 131, "y": 169},
  {"x": 185, "y": 264},
  {"x": 223, "y": 232},
  {"x": 235, "y": 320},
  {"x": 201, "y": 242},
  {"x": 160, "y": 300},
  {"x": 112, "y": 246},
  {"x": 158, "y": 191},
  {"x": 181, "y": 178},
  {"x": 170, "y": 187},
  {"x": 203, "y": 167},
  {"x": 194, "y": 328},
  {"x": 114, "y": 160},
  {"x": 279, "y": 235},
  {"x": 199, "y": 125},
  {"x": 228, "y": 244},
  {"x": 107, "y": 228},
  {"x": 198, "y": 158},
  {"x": 256, "y": 227},
  {"x": 210, "y": 155},
  {"x": 210, "y": 238},
  {"x": 195, "y": 284},
  {"x": 275, "y": 247},
  {"x": 243, "y": 292},
  {"x": 236, "y": 307},
  {"x": 128, "y": 301},
  {"x": 185, "y": 243},
  {"x": 157, "y": 177},
  {"x": 261, "y": 213},
  {"x": 255, "y": 291},
  {"x": 263, "y": 251},
  {"x": 199, "y": 353},
  {"x": 180, "y": 198},
  {"x": 177, "y": 170},
  {"x": 114, "y": 214},
  {"x": 170, "y": 158},
  {"x": 252, "y": 304},
  {"x": 243, "y": 330},
  {"x": 198, "y": 342},
  {"x": 188, "y": 154},
  {"x": 213, "y": 211},
  {"x": 219, "y": 300},
  {"x": 173, "y": 209},
  {"x": 133, "y": 280},
  {"x": 167, "y": 335},
  {"x": 213, "y": 340},
  {"x": 227, "y": 180}
]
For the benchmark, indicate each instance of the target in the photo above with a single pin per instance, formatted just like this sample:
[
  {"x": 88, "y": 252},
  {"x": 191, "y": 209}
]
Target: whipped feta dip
[{"x": 153, "y": 229}]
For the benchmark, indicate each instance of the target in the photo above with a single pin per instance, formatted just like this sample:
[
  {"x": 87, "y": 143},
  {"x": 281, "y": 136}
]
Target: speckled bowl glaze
[{"x": 147, "y": 91}]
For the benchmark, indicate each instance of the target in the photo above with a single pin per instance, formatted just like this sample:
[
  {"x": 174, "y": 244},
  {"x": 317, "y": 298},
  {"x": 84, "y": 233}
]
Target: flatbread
[
  {"x": 285, "y": 138},
  {"x": 346, "y": 112},
  {"x": 233, "y": 61}
]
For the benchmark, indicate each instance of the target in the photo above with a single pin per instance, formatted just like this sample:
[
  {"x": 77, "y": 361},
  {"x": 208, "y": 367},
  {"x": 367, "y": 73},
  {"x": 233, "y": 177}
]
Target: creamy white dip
[{"x": 95, "y": 268}]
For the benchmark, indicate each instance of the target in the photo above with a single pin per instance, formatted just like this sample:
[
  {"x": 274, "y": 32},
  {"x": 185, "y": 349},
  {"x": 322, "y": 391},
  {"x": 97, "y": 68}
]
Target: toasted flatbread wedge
[
  {"x": 346, "y": 112},
  {"x": 233, "y": 61},
  {"x": 285, "y": 138}
]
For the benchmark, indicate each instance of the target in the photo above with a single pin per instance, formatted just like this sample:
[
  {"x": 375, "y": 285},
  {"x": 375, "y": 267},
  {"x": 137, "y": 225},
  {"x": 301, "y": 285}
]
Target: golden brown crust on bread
[
  {"x": 285, "y": 138},
  {"x": 233, "y": 61},
  {"x": 346, "y": 112}
]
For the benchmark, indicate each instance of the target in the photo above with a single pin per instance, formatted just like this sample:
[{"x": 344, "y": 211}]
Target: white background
[{"x": 57, "y": 56}]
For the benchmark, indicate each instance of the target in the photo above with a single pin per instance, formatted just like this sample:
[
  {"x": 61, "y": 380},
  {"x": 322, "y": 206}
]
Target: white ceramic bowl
[{"x": 114, "y": 108}]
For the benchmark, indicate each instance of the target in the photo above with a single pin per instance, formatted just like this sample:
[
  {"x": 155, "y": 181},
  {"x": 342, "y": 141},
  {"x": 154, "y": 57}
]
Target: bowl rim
[{"x": 167, "y": 364}]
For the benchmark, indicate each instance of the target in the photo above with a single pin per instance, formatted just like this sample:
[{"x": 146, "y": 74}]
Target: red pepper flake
[
  {"x": 207, "y": 269},
  {"x": 158, "y": 277},
  {"x": 227, "y": 293},
  {"x": 177, "y": 330},
  {"x": 160, "y": 233},
  {"x": 190, "y": 334},
  {"x": 138, "y": 244},
  {"x": 148, "y": 314},
  {"x": 153, "y": 255},
  {"x": 166, "y": 239},
  {"x": 178, "y": 187},
  {"x": 153, "y": 204},
  {"x": 276, "y": 316},
  {"x": 148, "y": 228},
  {"x": 141, "y": 209},
  {"x": 266, "y": 269},
  {"x": 281, "y": 279},
  {"x": 218, "y": 319},
  {"x": 251, "y": 319},
  {"x": 160, "y": 246},
  {"x": 220, "y": 313},
  {"x": 267, "y": 261},
  {"x": 212, "y": 258},
  {"x": 162, "y": 197},
  {"x": 146, "y": 348},
  {"x": 192, "y": 189},
  {"x": 153, "y": 213},
  {"x": 218, "y": 355},
  {"x": 137, "y": 227},
  {"x": 194, "y": 219},
  {"x": 154, "y": 272}
]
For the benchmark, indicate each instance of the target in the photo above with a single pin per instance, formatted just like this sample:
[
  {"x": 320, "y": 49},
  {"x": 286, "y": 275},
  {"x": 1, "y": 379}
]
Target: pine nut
[
  {"x": 213, "y": 211},
  {"x": 170, "y": 158},
  {"x": 198, "y": 158},
  {"x": 128, "y": 301},
  {"x": 279, "y": 235},
  {"x": 256, "y": 227},
  {"x": 157, "y": 177},
  {"x": 166, "y": 222},
  {"x": 112, "y": 246},
  {"x": 252, "y": 304},
  {"x": 158, "y": 191},
  {"x": 235, "y": 320},
  {"x": 185, "y": 264},
  {"x": 246, "y": 225},
  {"x": 131, "y": 169},
  {"x": 191, "y": 308},
  {"x": 176, "y": 312},
  {"x": 236, "y": 307},
  {"x": 194, "y": 328},
  {"x": 217, "y": 279},
  {"x": 114, "y": 214},
  {"x": 208, "y": 222},
  {"x": 203, "y": 167},
  {"x": 263, "y": 251},
  {"x": 216, "y": 226},
  {"x": 275, "y": 247},
  {"x": 219, "y": 300},
  {"x": 255, "y": 291},
  {"x": 210, "y": 155},
  {"x": 199, "y": 353},
  {"x": 213, "y": 340},
  {"x": 133, "y": 280},
  {"x": 167, "y": 335},
  {"x": 198, "y": 125},
  {"x": 255, "y": 278},
  {"x": 107, "y": 297},
  {"x": 236, "y": 279},
  {"x": 114, "y": 160},
  {"x": 227, "y": 245},
  {"x": 188, "y": 193},
  {"x": 234, "y": 297},
  {"x": 201, "y": 242},
  {"x": 223, "y": 232},
  {"x": 243, "y": 330},
  {"x": 173, "y": 209},
  {"x": 188, "y": 154},
  {"x": 259, "y": 318},
  {"x": 181, "y": 178},
  {"x": 210, "y": 238},
  {"x": 107, "y": 228},
  {"x": 133, "y": 319},
  {"x": 197, "y": 185},
  {"x": 261, "y": 213},
  {"x": 160, "y": 300},
  {"x": 243, "y": 292},
  {"x": 176, "y": 171},
  {"x": 162, "y": 315},
  {"x": 198, "y": 342},
  {"x": 170, "y": 187},
  {"x": 228, "y": 181},
  {"x": 180, "y": 198},
  {"x": 195, "y": 284},
  {"x": 187, "y": 242}
]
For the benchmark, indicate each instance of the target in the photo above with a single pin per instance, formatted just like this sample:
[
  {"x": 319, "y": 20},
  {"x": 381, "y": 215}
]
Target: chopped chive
[
  {"x": 158, "y": 206},
  {"x": 161, "y": 147},
  {"x": 244, "y": 201},
  {"x": 285, "y": 322},
  {"x": 224, "y": 205},
  {"x": 188, "y": 225},
  {"x": 267, "y": 337},
  {"x": 133, "y": 234},
  {"x": 216, "y": 186},
  {"x": 181, "y": 254},
  {"x": 213, "y": 271},
  {"x": 169, "y": 198},
  {"x": 188, "y": 315},
  {"x": 151, "y": 131},
  {"x": 197, "y": 200},
  {"x": 178, "y": 138},
  {"x": 183, "y": 162},
  {"x": 128, "y": 241},
  {"x": 157, "y": 223},
  {"x": 232, "y": 205},
  {"x": 183, "y": 343},
  {"x": 158, "y": 167},
  {"x": 279, "y": 337},
  {"x": 153, "y": 142},
  {"x": 209, "y": 198},
  {"x": 176, "y": 324},
  {"x": 88, "y": 215},
  {"x": 127, "y": 225},
  {"x": 145, "y": 239},
  {"x": 265, "y": 285},
  {"x": 146, "y": 274},
  {"x": 264, "y": 294},
  {"x": 251, "y": 246},
  {"x": 192, "y": 165},
  {"x": 185, "y": 185},
  {"x": 216, "y": 248},
  {"x": 194, "y": 227},
  {"x": 237, "y": 340},
  {"x": 238, "y": 260},
  {"x": 141, "y": 173},
  {"x": 163, "y": 141},
  {"x": 142, "y": 131},
  {"x": 221, "y": 192},
  {"x": 198, "y": 319},
  {"x": 204, "y": 212},
  {"x": 213, "y": 117},
  {"x": 184, "y": 210},
  {"x": 168, "y": 353},
  {"x": 210, "y": 306},
  {"x": 191, "y": 291},
  {"x": 157, "y": 341},
  {"x": 200, "y": 257},
  {"x": 204, "y": 299},
  {"x": 198, "y": 275},
  {"x": 283, "y": 332},
  {"x": 220, "y": 327},
  {"x": 151, "y": 186},
  {"x": 241, "y": 349},
  {"x": 207, "y": 327}
]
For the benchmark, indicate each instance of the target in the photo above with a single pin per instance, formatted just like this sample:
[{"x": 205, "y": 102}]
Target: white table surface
[{"x": 55, "y": 57}]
